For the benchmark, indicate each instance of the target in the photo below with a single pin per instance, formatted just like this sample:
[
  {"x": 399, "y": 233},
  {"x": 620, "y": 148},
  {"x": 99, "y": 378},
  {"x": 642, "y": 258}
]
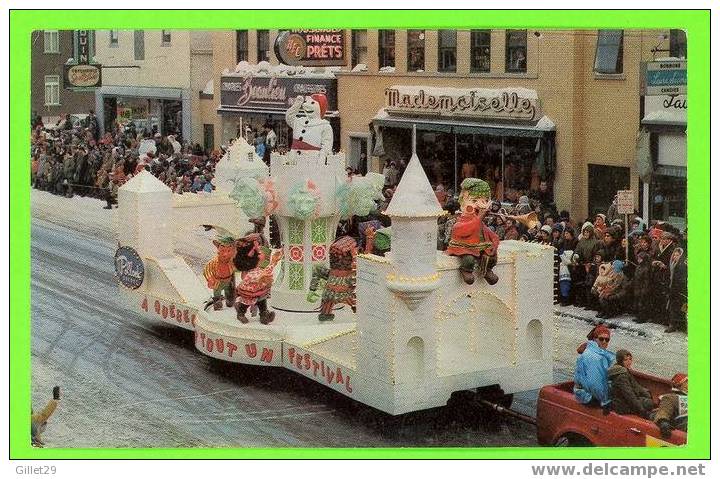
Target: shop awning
[
  {"x": 466, "y": 127},
  {"x": 671, "y": 119}
]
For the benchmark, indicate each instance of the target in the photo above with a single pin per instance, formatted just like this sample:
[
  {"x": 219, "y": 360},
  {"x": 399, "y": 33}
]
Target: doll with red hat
[{"x": 311, "y": 131}]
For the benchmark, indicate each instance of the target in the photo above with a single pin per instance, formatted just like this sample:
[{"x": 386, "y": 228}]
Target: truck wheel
[{"x": 572, "y": 440}]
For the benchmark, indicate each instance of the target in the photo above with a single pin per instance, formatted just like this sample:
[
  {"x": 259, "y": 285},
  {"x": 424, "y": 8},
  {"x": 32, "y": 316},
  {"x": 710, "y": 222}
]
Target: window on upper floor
[
  {"x": 114, "y": 38},
  {"x": 263, "y": 45},
  {"x": 447, "y": 50},
  {"x": 479, "y": 51},
  {"x": 386, "y": 48},
  {"x": 516, "y": 51},
  {"x": 52, "y": 90},
  {"x": 678, "y": 44},
  {"x": 51, "y": 40},
  {"x": 139, "y": 44},
  {"x": 415, "y": 50},
  {"x": 609, "y": 52},
  {"x": 359, "y": 47},
  {"x": 241, "y": 46},
  {"x": 166, "y": 38}
]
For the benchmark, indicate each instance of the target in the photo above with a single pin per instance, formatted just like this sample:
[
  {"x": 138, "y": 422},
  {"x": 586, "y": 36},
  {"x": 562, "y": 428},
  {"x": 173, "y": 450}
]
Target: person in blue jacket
[{"x": 591, "y": 367}]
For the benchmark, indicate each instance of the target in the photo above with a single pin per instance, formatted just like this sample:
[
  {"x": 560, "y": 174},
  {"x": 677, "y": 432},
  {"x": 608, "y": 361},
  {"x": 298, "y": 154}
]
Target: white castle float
[{"x": 420, "y": 332}]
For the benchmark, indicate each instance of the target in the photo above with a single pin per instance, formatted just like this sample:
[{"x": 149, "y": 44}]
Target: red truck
[{"x": 562, "y": 421}]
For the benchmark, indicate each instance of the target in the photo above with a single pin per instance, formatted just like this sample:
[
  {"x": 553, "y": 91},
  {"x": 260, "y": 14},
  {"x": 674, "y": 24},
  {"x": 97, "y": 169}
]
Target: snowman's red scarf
[{"x": 301, "y": 145}]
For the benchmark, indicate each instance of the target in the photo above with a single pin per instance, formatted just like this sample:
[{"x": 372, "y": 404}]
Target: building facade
[
  {"x": 584, "y": 87},
  {"x": 155, "y": 79},
  {"x": 49, "y": 98}
]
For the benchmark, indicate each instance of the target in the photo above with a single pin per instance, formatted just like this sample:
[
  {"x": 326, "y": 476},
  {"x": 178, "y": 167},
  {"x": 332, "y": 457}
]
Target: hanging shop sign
[
  {"x": 82, "y": 77},
  {"x": 311, "y": 47},
  {"x": 666, "y": 78},
  {"x": 273, "y": 94},
  {"x": 83, "y": 46},
  {"x": 670, "y": 108},
  {"x": 80, "y": 73},
  {"x": 504, "y": 104},
  {"x": 129, "y": 267}
]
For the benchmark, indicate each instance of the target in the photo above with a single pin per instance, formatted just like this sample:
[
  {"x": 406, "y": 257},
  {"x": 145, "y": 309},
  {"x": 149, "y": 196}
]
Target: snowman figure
[{"x": 311, "y": 131}]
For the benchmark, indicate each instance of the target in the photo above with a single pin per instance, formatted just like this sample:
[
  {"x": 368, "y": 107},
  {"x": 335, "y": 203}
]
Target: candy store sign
[
  {"x": 321, "y": 370},
  {"x": 273, "y": 93},
  {"x": 238, "y": 351},
  {"x": 457, "y": 102}
]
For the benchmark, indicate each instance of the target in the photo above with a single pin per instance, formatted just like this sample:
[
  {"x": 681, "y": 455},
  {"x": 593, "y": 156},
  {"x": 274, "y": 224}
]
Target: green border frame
[{"x": 697, "y": 25}]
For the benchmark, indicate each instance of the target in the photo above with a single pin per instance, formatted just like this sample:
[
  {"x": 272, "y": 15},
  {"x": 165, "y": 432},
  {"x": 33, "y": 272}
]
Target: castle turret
[
  {"x": 240, "y": 161},
  {"x": 145, "y": 216},
  {"x": 414, "y": 210}
]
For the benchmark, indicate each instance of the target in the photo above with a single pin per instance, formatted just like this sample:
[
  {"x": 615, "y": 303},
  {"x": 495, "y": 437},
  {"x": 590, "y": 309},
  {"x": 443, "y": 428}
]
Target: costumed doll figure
[
  {"x": 220, "y": 271},
  {"x": 339, "y": 279},
  {"x": 340, "y": 287},
  {"x": 311, "y": 131},
  {"x": 254, "y": 289},
  {"x": 470, "y": 239}
]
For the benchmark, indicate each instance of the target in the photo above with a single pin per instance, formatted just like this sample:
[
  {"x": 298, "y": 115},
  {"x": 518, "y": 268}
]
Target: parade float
[{"x": 418, "y": 331}]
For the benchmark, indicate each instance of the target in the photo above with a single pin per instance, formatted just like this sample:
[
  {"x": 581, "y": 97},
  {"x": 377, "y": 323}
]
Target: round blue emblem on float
[{"x": 129, "y": 268}]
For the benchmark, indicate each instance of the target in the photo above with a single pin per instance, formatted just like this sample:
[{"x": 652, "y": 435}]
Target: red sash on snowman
[{"x": 301, "y": 145}]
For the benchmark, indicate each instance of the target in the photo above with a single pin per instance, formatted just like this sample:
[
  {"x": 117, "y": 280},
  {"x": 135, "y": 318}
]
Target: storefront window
[
  {"x": 263, "y": 45},
  {"x": 603, "y": 184},
  {"x": 514, "y": 166},
  {"x": 416, "y": 50},
  {"x": 480, "y": 50},
  {"x": 609, "y": 52},
  {"x": 386, "y": 48},
  {"x": 447, "y": 50},
  {"x": 359, "y": 47},
  {"x": 668, "y": 196},
  {"x": 516, "y": 51}
]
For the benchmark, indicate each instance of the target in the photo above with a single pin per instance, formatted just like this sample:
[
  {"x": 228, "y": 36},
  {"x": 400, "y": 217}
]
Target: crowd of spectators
[{"x": 70, "y": 157}]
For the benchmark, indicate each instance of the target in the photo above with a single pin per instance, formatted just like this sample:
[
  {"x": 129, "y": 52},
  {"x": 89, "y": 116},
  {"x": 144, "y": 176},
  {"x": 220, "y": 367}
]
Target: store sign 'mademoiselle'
[{"x": 498, "y": 104}]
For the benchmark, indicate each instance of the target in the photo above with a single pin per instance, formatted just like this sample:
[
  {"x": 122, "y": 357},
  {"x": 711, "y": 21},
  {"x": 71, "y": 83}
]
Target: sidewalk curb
[{"x": 609, "y": 322}]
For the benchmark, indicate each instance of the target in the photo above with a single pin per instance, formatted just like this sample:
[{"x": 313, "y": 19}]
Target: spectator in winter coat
[
  {"x": 611, "y": 249},
  {"x": 642, "y": 287},
  {"x": 676, "y": 307},
  {"x": 511, "y": 230},
  {"x": 587, "y": 244},
  {"x": 564, "y": 277},
  {"x": 672, "y": 412},
  {"x": 666, "y": 246},
  {"x": 611, "y": 289},
  {"x": 626, "y": 394},
  {"x": 600, "y": 226},
  {"x": 591, "y": 369}
]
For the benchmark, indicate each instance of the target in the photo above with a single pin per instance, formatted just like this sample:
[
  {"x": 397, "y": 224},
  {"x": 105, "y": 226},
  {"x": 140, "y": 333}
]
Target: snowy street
[{"x": 129, "y": 381}]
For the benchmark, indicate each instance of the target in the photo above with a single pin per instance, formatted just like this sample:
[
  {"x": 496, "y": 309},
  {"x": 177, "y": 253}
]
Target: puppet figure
[
  {"x": 254, "y": 289},
  {"x": 219, "y": 272},
  {"x": 338, "y": 281},
  {"x": 470, "y": 238}
]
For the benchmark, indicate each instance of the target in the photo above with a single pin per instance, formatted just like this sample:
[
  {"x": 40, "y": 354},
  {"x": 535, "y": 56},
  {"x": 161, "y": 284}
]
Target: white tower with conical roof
[
  {"x": 145, "y": 216},
  {"x": 414, "y": 210}
]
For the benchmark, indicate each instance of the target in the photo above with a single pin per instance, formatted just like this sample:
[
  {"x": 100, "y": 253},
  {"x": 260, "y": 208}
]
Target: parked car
[{"x": 562, "y": 421}]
